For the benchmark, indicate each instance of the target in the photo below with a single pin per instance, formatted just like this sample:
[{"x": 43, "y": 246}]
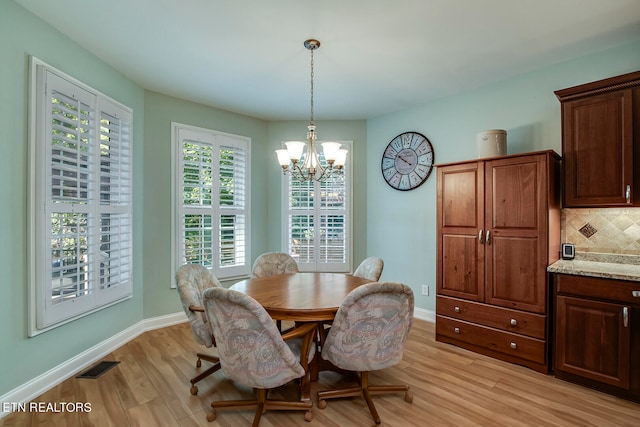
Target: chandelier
[{"x": 301, "y": 159}]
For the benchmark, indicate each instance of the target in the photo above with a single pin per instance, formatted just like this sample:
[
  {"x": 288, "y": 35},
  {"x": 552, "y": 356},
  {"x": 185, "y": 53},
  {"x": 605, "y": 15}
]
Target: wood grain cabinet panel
[
  {"x": 509, "y": 346},
  {"x": 516, "y": 321},
  {"x": 592, "y": 340},
  {"x": 597, "y": 333},
  {"x": 601, "y": 142},
  {"x": 498, "y": 229}
]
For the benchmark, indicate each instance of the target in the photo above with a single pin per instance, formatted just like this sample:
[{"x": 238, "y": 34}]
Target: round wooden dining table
[{"x": 301, "y": 297}]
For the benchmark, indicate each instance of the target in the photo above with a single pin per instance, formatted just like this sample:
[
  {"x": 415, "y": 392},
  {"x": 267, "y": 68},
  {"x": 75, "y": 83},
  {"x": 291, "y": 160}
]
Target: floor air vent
[{"x": 97, "y": 370}]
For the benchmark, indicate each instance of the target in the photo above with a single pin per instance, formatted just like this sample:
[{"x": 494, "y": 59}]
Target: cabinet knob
[
  {"x": 456, "y": 309},
  {"x": 456, "y": 330},
  {"x": 513, "y": 345},
  {"x": 514, "y": 322}
]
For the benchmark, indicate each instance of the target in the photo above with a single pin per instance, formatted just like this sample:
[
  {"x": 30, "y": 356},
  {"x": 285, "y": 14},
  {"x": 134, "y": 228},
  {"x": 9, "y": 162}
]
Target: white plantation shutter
[
  {"x": 333, "y": 216},
  {"x": 211, "y": 171},
  {"x": 232, "y": 202},
  {"x": 116, "y": 186},
  {"x": 81, "y": 193},
  {"x": 318, "y": 234}
]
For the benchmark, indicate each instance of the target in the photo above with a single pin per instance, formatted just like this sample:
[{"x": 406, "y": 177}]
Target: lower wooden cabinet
[
  {"x": 508, "y": 320},
  {"x": 597, "y": 333},
  {"x": 511, "y": 335}
]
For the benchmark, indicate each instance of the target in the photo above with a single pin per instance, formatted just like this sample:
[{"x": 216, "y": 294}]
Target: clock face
[{"x": 407, "y": 161}]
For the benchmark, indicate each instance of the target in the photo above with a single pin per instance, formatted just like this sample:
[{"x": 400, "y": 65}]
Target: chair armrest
[{"x": 196, "y": 308}]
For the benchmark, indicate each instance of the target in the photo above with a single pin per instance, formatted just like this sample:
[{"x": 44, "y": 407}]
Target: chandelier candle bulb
[
  {"x": 295, "y": 148},
  {"x": 283, "y": 157},
  {"x": 341, "y": 159},
  {"x": 331, "y": 150}
]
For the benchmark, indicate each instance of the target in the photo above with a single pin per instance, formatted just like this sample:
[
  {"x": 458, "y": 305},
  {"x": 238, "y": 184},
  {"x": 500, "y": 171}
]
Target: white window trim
[
  {"x": 348, "y": 176},
  {"x": 38, "y": 229},
  {"x": 226, "y": 273}
]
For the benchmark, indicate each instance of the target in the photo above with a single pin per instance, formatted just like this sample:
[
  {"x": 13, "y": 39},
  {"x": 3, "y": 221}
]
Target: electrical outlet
[{"x": 425, "y": 290}]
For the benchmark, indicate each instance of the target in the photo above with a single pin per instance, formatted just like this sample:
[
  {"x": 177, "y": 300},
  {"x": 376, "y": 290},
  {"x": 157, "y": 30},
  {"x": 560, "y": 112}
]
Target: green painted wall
[
  {"x": 22, "y": 358},
  {"x": 160, "y": 111},
  {"x": 525, "y": 106}
]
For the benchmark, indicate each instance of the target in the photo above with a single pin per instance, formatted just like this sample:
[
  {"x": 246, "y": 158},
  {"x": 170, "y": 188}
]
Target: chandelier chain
[{"x": 311, "y": 122}]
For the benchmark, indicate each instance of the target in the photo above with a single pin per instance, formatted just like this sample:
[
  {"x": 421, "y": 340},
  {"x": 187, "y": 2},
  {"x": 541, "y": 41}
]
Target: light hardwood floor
[{"x": 451, "y": 386}]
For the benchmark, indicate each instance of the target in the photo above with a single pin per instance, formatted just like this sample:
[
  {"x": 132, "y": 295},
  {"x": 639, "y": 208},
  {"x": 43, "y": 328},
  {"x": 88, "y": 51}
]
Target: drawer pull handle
[
  {"x": 514, "y": 322},
  {"x": 456, "y": 330},
  {"x": 625, "y": 317},
  {"x": 456, "y": 309},
  {"x": 513, "y": 345},
  {"x": 628, "y": 194},
  {"x": 635, "y": 294},
  {"x": 480, "y": 236},
  {"x": 487, "y": 237}
]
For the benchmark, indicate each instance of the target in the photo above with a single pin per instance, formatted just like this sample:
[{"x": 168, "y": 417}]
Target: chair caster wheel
[
  {"x": 198, "y": 363},
  {"x": 308, "y": 416},
  {"x": 322, "y": 404},
  {"x": 408, "y": 397},
  {"x": 193, "y": 390},
  {"x": 211, "y": 416}
]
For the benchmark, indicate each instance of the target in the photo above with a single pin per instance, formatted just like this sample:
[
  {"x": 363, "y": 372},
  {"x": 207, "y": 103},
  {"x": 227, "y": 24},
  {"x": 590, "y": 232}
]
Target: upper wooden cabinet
[{"x": 601, "y": 142}]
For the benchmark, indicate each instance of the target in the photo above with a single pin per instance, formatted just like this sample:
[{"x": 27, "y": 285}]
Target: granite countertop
[{"x": 608, "y": 266}]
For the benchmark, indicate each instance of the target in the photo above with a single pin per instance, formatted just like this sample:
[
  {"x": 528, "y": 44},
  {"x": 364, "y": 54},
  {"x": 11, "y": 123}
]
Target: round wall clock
[{"x": 407, "y": 161}]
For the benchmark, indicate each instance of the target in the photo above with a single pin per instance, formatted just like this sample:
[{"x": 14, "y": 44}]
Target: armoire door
[
  {"x": 460, "y": 268},
  {"x": 515, "y": 232}
]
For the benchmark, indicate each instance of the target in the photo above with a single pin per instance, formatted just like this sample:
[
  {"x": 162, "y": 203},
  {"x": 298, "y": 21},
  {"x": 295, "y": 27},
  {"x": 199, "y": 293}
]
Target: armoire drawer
[
  {"x": 515, "y": 345},
  {"x": 516, "y": 321}
]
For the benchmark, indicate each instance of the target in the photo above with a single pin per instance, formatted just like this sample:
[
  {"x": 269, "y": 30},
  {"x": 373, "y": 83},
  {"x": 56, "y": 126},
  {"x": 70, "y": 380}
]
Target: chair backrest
[
  {"x": 192, "y": 280},
  {"x": 370, "y": 268},
  {"x": 250, "y": 347},
  {"x": 273, "y": 264},
  {"x": 371, "y": 327}
]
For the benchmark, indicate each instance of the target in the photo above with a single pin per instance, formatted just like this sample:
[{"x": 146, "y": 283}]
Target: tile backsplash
[{"x": 611, "y": 230}]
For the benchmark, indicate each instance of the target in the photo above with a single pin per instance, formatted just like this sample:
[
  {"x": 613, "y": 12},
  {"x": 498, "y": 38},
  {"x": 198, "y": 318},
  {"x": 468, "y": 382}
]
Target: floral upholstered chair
[
  {"x": 192, "y": 280},
  {"x": 368, "y": 334},
  {"x": 254, "y": 354},
  {"x": 370, "y": 268},
  {"x": 273, "y": 264}
]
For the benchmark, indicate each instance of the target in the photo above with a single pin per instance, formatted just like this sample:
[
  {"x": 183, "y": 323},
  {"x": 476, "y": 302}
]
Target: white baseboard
[
  {"x": 422, "y": 314},
  {"x": 38, "y": 385}
]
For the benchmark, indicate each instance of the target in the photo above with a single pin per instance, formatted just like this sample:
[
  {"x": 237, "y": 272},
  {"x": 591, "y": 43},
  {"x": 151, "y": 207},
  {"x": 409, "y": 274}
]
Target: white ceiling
[{"x": 376, "y": 57}]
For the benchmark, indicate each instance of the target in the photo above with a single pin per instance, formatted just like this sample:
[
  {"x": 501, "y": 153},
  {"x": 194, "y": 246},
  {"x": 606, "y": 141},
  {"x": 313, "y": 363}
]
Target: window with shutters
[
  {"x": 211, "y": 200},
  {"x": 317, "y": 215},
  {"x": 81, "y": 200}
]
